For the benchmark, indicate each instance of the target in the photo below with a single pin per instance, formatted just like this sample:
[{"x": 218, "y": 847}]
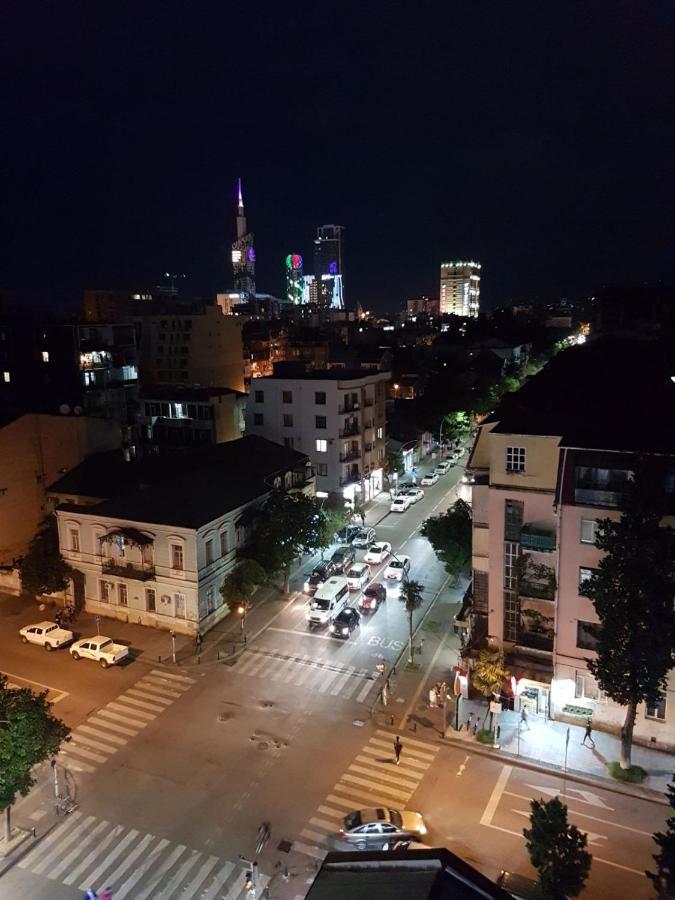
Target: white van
[
  {"x": 358, "y": 575},
  {"x": 328, "y": 601}
]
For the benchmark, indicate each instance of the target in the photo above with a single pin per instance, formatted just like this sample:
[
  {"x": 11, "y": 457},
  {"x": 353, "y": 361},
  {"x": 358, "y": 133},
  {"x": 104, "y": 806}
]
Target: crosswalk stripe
[
  {"x": 328, "y": 811},
  {"x": 183, "y": 679},
  {"x": 428, "y": 749},
  {"x": 411, "y": 752},
  {"x": 382, "y": 788},
  {"x": 192, "y": 888},
  {"x": 308, "y": 670},
  {"x": 237, "y": 887},
  {"x": 326, "y": 682},
  {"x": 131, "y": 711},
  {"x": 81, "y": 735},
  {"x": 146, "y": 695},
  {"x": 322, "y": 823},
  {"x": 90, "y": 857},
  {"x": 342, "y": 681},
  {"x": 101, "y": 723},
  {"x": 82, "y": 843},
  {"x": 247, "y": 660},
  {"x": 278, "y": 667},
  {"x": 72, "y": 747},
  {"x": 219, "y": 880},
  {"x": 352, "y": 685},
  {"x": 361, "y": 799},
  {"x": 383, "y": 777},
  {"x": 142, "y": 704},
  {"x": 313, "y": 835},
  {"x": 258, "y": 665},
  {"x": 293, "y": 671},
  {"x": 175, "y": 854},
  {"x": 94, "y": 876},
  {"x": 38, "y": 852},
  {"x": 180, "y": 874},
  {"x": 346, "y": 802},
  {"x": 365, "y": 690},
  {"x": 412, "y": 778},
  {"x": 314, "y": 852},
  {"x": 123, "y": 889},
  {"x": 131, "y": 858},
  {"x": 149, "y": 684},
  {"x": 111, "y": 714},
  {"x": 63, "y": 845},
  {"x": 406, "y": 761},
  {"x": 76, "y": 764}
]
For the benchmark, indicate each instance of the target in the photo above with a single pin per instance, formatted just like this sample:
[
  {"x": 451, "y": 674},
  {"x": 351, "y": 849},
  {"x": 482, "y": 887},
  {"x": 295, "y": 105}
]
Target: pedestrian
[
  {"x": 107, "y": 894},
  {"x": 467, "y": 724},
  {"x": 91, "y": 894},
  {"x": 398, "y": 746},
  {"x": 432, "y": 698},
  {"x": 523, "y": 718},
  {"x": 588, "y": 734},
  {"x": 198, "y": 641}
]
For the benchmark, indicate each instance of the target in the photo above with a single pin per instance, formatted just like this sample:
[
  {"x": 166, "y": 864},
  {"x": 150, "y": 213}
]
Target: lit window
[
  {"x": 380, "y": 433},
  {"x": 586, "y": 687},
  {"x": 585, "y": 575},
  {"x": 589, "y": 529},
  {"x": 321, "y": 446},
  {"x": 45, "y": 356},
  {"x": 515, "y": 459},
  {"x": 6, "y": 377},
  {"x": 656, "y": 710},
  {"x": 74, "y": 540}
]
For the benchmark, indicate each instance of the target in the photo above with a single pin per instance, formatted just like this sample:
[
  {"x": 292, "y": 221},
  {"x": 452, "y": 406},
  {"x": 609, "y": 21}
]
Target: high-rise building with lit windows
[
  {"x": 460, "y": 288},
  {"x": 294, "y": 279},
  {"x": 243, "y": 254},
  {"x": 328, "y": 265}
]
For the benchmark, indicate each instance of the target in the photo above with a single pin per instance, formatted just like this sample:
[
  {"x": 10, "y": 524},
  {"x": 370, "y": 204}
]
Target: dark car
[
  {"x": 321, "y": 572},
  {"x": 343, "y": 558},
  {"x": 372, "y": 596},
  {"x": 346, "y": 535},
  {"x": 345, "y": 622}
]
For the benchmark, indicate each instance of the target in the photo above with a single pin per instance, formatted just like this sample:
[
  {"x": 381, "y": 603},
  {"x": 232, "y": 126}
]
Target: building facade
[
  {"x": 190, "y": 417},
  {"x": 460, "y": 289},
  {"x": 336, "y": 417},
  {"x": 243, "y": 254},
  {"x": 329, "y": 266}
]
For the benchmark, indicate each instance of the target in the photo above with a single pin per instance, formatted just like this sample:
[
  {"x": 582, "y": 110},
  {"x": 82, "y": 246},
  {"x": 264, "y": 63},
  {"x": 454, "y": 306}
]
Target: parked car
[
  {"x": 328, "y": 601},
  {"x": 397, "y": 568},
  {"x": 343, "y": 558},
  {"x": 321, "y": 572},
  {"x": 443, "y": 467},
  {"x": 372, "y": 596},
  {"x": 468, "y": 478},
  {"x": 368, "y": 828},
  {"x": 429, "y": 479},
  {"x": 47, "y": 634},
  {"x": 346, "y": 535},
  {"x": 358, "y": 576},
  {"x": 377, "y": 552},
  {"x": 345, "y": 622},
  {"x": 100, "y": 648},
  {"x": 407, "y": 845},
  {"x": 414, "y": 493},
  {"x": 518, "y": 886},
  {"x": 363, "y": 538},
  {"x": 400, "y": 503}
]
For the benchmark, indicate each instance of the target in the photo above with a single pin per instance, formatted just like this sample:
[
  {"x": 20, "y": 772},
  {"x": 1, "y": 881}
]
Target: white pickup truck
[
  {"x": 100, "y": 648},
  {"x": 48, "y": 634}
]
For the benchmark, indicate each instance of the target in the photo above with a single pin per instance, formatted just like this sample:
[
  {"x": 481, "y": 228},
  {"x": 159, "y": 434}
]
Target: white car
[
  {"x": 100, "y": 648},
  {"x": 377, "y": 553},
  {"x": 468, "y": 478},
  {"x": 414, "y": 493},
  {"x": 358, "y": 576},
  {"x": 48, "y": 634},
  {"x": 431, "y": 478},
  {"x": 397, "y": 568},
  {"x": 443, "y": 468},
  {"x": 400, "y": 503}
]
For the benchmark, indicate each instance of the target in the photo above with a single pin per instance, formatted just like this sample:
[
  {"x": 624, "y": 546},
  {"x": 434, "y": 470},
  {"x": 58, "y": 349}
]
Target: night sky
[{"x": 537, "y": 137}]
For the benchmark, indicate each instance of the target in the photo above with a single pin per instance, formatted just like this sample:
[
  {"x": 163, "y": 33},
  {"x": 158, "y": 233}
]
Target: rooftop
[
  {"x": 286, "y": 374},
  {"x": 168, "y": 392}
]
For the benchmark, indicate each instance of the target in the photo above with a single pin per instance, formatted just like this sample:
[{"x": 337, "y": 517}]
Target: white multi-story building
[
  {"x": 157, "y": 551},
  {"x": 335, "y": 416},
  {"x": 460, "y": 288}
]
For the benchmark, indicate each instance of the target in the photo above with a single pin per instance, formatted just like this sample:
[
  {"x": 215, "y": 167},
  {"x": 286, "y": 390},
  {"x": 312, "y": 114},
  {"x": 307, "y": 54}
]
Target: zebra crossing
[
  {"x": 371, "y": 780},
  {"x": 321, "y": 676},
  {"x": 85, "y": 852},
  {"x": 111, "y": 728}
]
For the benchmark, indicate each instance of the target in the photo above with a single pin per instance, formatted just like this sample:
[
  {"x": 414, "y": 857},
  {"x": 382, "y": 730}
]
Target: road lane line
[
  {"x": 586, "y": 815},
  {"x": 496, "y": 796},
  {"x": 608, "y": 862},
  {"x": 309, "y": 634}
]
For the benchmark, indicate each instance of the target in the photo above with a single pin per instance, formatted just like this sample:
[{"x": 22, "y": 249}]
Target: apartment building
[
  {"x": 335, "y": 416},
  {"x": 154, "y": 539},
  {"x": 553, "y": 459},
  {"x": 173, "y": 417}
]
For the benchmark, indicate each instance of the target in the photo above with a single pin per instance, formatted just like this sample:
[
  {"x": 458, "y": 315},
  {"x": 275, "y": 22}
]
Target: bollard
[
  {"x": 391, "y": 721},
  {"x": 199, "y": 660}
]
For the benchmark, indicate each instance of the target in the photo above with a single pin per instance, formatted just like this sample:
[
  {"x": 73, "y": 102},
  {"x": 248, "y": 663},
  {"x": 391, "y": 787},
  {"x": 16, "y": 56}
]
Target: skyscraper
[
  {"x": 243, "y": 254},
  {"x": 294, "y": 280},
  {"x": 460, "y": 288},
  {"x": 328, "y": 265}
]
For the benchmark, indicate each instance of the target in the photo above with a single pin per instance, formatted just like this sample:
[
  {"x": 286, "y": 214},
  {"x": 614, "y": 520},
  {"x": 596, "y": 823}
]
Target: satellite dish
[
  {"x": 64, "y": 409},
  {"x": 78, "y": 410}
]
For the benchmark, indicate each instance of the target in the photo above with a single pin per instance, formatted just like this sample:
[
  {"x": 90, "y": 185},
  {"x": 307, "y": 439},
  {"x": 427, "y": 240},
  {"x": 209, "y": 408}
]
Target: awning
[{"x": 131, "y": 536}]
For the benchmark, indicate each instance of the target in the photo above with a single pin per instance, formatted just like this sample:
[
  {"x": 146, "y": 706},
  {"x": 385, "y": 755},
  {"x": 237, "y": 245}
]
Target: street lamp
[{"x": 243, "y": 609}]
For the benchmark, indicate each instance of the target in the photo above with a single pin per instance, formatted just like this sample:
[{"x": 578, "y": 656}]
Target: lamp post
[{"x": 243, "y": 609}]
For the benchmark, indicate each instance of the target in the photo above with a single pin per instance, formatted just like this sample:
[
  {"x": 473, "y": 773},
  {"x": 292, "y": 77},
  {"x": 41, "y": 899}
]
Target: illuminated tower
[
  {"x": 294, "y": 280},
  {"x": 460, "y": 288},
  {"x": 243, "y": 254},
  {"x": 328, "y": 265}
]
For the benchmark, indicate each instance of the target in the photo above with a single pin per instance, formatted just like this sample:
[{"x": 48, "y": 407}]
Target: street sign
[{"x": 97, "y": 619}]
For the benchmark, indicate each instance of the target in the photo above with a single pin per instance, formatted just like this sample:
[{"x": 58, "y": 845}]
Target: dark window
[
  {"x": 320, "y": 421},
  {"x": 587, "y": 637},
  {"x": 322, "y": 469},
  {"x": 258, "y": 419},
  {"x": 287, "y": 396},
  {"x": 480, "y": 591},
  {"x": 320, "y": 398},
  {"x": 513, "y": 519},
  {"x": 288, "y": 421},
  {"x": 656, "y": 710},
  {"x": 288, "y": 442},
  {"x": 259, "y": 396}
]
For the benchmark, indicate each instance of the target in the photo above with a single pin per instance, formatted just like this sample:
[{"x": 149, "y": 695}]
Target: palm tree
[{"x": 411, "y": 596}]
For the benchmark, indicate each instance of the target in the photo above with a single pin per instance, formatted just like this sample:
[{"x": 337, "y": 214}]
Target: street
[{"x": 175, "y": 768}]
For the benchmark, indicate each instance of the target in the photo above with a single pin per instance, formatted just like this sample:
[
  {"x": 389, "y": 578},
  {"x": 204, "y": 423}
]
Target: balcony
[
  {"x": 368, "y": 402},
  {"x": 532, "y": 538},
  {"x": 539, "y": 590},
  {"x": 348, "y": 457},
  {"x": 368, "y": 448},
  {"x": 349, "y": 408},
  {"x": 534, "y": 640},
  {"x": 353, "y": 478},
  {"x": 139, "y": 571},
  {"x": 594, "y": 497},
  {"x": 350, "y": 431}
]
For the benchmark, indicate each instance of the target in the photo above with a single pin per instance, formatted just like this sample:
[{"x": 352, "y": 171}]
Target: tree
[
  {"x": 359, "y": 509},
  {"x": 632, "y": 592},
  {"x": 450, "y": 536},
  {"x": 489, "y": 673},
  {"x": 394, "y": 460},
  {"x": 557, "y": 850},
  {"x": 43, "y": 570},
  {"x": 455, "y": 425},
  {"x": 29, "y": 734},
  {"x": 238, "y": 586},
  {"x": 664, "y": 877},
  {"x": 288, "y": 526},
  {"x": 334, "y": 516},
  {"x": 411, "y": 597}
]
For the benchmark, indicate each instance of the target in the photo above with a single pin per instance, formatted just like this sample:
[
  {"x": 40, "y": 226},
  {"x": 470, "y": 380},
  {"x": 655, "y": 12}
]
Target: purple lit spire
[{"x": 241, "y": 198}]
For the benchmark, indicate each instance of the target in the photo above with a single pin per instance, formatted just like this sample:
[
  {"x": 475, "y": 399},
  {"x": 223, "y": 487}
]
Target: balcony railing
[
  {"x": 349, "y": 408},
  {"x": 368, "y": 402},
  {"x": 354, "y": 478},
  {"x": 348, "y": 457},
  {"x": 533, "y": 640},
  {"x": 350, "y": 431},
  {"x": 140, "y": 571},
  {"x": 594, "y": 497},
  {"x": 537, "y": 539}
]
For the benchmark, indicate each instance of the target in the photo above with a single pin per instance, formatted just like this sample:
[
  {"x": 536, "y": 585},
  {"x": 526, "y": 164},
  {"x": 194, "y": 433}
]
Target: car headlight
[
  {"x": 332, "y": 627},
  {"x": 423, "y": 829},
  {"x": 345, "y": 630},
  {"x": 307, "y": 585}
]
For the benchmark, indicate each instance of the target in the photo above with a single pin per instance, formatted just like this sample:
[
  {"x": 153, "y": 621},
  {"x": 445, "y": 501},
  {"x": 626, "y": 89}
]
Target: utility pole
[{"x": 173, "y": 646}]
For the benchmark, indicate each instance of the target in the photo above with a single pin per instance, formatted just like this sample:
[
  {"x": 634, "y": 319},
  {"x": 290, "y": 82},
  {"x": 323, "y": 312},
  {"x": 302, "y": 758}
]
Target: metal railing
[{"x": 141, "y": 571}]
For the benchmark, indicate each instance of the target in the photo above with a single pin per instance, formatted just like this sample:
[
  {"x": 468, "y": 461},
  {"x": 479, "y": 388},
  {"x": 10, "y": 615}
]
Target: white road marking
[
  {"x": 146, "y": 695},
  {"x": 135, "y": 877},
  {"x": 365, "y": 690},
  {"x": 76, "y": 764},
  {"x": 342, "y": 681},
  {"x": 56, "y": 851},
  {"x": 585, "y": 796},
  {"x": 406, "y": 763},
  {"x": 328, "y": 811},
  {"x": 322, "y": 823},
  {"x": 405, "y": 775},
  {"x": 361, "y": 799},
  {"x": 72, "y": 747},
  {"x": 175, "y": 854},
  {"x": 219, "y": 879},
  {"x": 576, "y": 812},
  {"x": 496, "y": 796},
  {"x": 87, "y": 729},
  {"x": 109, "y": 714},
  {"x": 384, "y": 777},
  {"x": 191, "y": 889},
  {"x": 27, "y": 682},
  {"x": 81, "y": 844},
  {"x": 382, "y": 788},
  {"x": 118, "y": 850},
  {"x": 428, "y": 749},
  {"x": 313, "y": 835},
  {"x": 150, "y": 683},
  {"x": 182, "y": 872},
  {"x": 131, "y": 710},
  {"x": 101, "y": 724},
  {"x": 90, "y": 857},
  {"x": 314, "y": 852},
  {"x": 309, "y": 634},
  {"x": 183, "y": 679}
]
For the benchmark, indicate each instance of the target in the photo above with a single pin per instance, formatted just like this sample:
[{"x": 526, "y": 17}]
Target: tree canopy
[
  {"x": 632, "y": 592},
  {"x": 43, "y": 570},
  {"x": 450, "y": 536},
  {"x": 242, "y": 581},
  {"x": 489, "y": 672},
  {"x": 557, "y": 850},
  {"x": 411, "y": 597}
]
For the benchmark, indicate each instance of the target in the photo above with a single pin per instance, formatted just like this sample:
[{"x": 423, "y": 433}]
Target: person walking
[
  {"x": 91, "y": 895},
  {"x": 398, "y": 746},
  {"x": 107, "y": 894},
  {"x": 198, "y": 641},
  {"x": 588, "y": 734},
  {"x": 523, "y": 718}
]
